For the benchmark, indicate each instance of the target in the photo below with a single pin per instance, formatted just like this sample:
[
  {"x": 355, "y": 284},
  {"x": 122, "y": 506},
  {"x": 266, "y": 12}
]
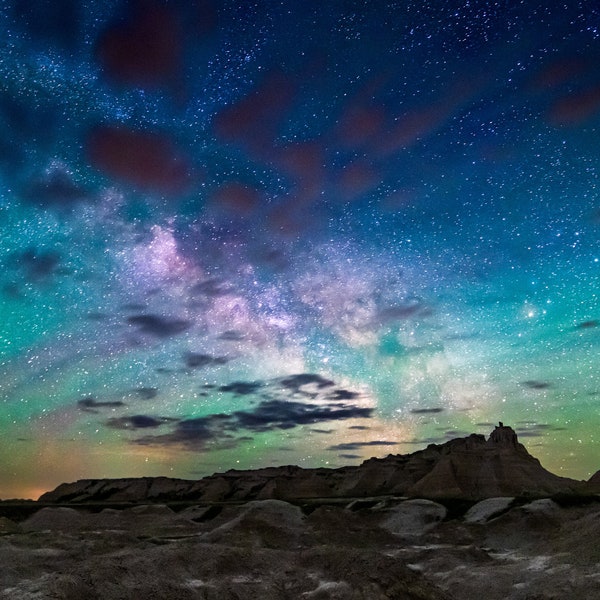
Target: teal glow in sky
[{"x": 242, "y": 234}]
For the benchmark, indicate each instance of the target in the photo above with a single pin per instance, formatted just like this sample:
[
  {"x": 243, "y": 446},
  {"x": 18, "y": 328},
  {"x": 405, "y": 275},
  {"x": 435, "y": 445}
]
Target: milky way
[{"x": 243, "y": 234}]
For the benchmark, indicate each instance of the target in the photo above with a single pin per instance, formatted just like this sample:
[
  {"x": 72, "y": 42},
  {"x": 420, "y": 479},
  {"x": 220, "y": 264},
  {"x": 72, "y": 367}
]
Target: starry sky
[{"x": 243, "y": 234}]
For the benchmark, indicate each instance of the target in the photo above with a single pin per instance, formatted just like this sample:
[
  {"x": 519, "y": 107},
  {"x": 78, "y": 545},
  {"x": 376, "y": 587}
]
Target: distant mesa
[{"x": 470, "y": 468}]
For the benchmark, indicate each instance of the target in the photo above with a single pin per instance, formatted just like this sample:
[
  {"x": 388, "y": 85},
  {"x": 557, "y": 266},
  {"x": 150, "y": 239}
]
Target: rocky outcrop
[
  {"x": 473, "y": 468},
  {"x": 470, "y": 468},
  {"x": 274, "y": 550},
  {"x": 53, "y": 519},
  {"x": 505, "y": 437},
  {"x": 7, "y": 526},
  {"x": 414, "y": 517},
  {"x": 488, "y": 509},
  {"x": 593, "y": 483}
]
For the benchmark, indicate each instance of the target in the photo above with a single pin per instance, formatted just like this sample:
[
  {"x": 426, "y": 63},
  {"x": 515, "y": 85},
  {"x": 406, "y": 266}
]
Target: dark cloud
[
  {"x": 157, "y": 326},
  {"x": 90, "y": 404},
  {"x": 427, "y": 411},
  {"x": 37, "y": 265},
  {"x": 281, "y": 404},
  {"x": 53, "y": 21},
  {"x": 232, "y": 336},
  {"x": 236, "y": 198},
  {"x": 137, "y": 422},
  {"x": 144, "y": 47},
  {"x": 533, "y": 430},
  {"x": 534, "y": 384},
  {"x": 427, "y": 441},
  {"x": 21, "y": 124},
  {"x": 274, "y": 258},
  {"x": 350, "y": 456},
  {"x": 212, "y": 288},
  {"x": 358, "y": 445},
  {"x": 196, "y": 433},
  {"x": 55, "y": 190},
  {"x": 446, "y": 435},
  {"x": 194, "y": 430},
  {"x": 12, "y": 290},
  {"x": 195, "y": 360},
  {"x": 279, "y": 414},
  {"x": 148, "y": 161},
  {"x": 96, "y": 316},
  {"x": 303, "y": 385},
  {"x": 241, "y": 388},
  {"x": 134, "y": 306},
  {"x": 401, "y": 312},
  {"x": 456, "y": 433},
  {"x": 146, "y": 393},
  {"x": 295, "y": 382},
  {"x": 342, "y": 394},
  {"x": 270, "y": 415}
]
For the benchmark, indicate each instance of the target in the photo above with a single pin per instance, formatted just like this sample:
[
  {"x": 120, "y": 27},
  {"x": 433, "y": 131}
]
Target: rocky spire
[{"x": 504, "y": 436}]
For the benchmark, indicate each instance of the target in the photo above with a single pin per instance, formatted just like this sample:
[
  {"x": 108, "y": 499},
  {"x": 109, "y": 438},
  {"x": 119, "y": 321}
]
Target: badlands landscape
[{"x": 470, "y": 518}]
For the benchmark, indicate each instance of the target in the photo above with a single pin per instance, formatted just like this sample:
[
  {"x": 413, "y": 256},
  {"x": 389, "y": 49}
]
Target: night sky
[{"x": 244, "y": 234}]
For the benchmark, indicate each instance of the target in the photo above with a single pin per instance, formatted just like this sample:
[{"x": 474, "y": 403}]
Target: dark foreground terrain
[
  {"x": 470, "y": 519},
  {"x": 271, "y": 549}
]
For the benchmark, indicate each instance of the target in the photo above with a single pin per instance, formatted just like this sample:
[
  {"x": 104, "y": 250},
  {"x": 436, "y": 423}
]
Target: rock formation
[
  {"x": 593, "y": 483},
  {"x": 355, "y": 533},
  {"x": 470, "y": 468}
]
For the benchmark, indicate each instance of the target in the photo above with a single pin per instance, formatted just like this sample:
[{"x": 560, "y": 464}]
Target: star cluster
[{"x": 239, "y": 234}]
